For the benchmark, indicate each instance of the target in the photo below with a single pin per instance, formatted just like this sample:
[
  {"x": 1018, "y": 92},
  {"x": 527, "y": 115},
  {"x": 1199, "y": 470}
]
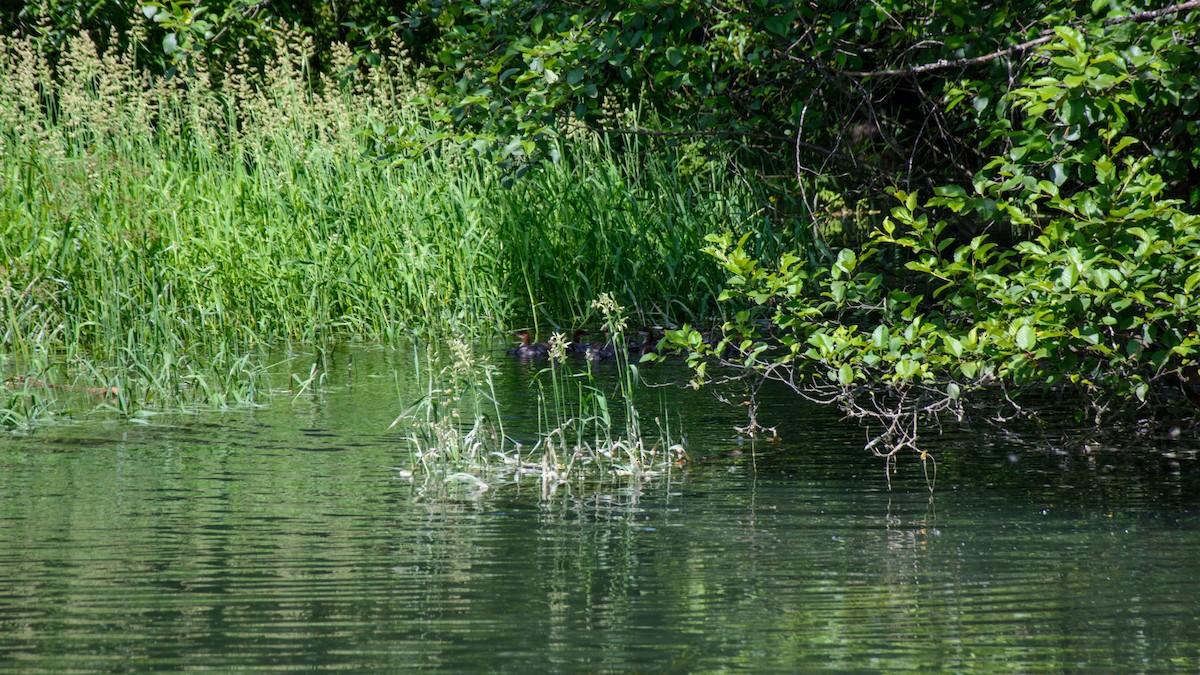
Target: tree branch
[{"x": 1045, "y": 37}]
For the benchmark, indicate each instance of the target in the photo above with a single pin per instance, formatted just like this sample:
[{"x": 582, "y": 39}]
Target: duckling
[{"x": 600, "y": 351}]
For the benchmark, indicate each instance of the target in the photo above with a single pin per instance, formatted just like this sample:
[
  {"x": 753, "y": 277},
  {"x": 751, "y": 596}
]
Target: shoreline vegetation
[
  {"x": 899, "y": 218},
  {"x": 159, "y": 237}
]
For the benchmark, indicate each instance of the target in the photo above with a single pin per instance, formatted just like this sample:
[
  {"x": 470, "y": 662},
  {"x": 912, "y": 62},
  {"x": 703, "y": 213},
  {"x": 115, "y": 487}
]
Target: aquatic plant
[
  {"x": 586, "y": 433},
  {"x": 582, "y": 433},
  {"x": 456, "y": 425}
]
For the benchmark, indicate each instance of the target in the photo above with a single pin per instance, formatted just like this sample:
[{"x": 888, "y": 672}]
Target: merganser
[
  {"x": 646, "y": 346},
  {"x": 577, "y": 346},
  {"x": 528, "y": 349}
]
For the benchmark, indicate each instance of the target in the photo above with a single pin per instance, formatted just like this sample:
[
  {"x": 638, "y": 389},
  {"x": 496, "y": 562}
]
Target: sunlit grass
[{"x": 157, "y": 235}]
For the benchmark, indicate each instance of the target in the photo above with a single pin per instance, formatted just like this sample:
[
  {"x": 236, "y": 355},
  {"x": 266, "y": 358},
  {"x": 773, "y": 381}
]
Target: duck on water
[
  {"x": 595, "y": 351},
  {"x": 529, "y": 349}
]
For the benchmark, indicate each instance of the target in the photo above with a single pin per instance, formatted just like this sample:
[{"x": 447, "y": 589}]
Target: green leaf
[
  {"x": 1125, "y": 142},
  {"x": 1192, "y": 281},
  {"x": 914, "y": 368},
  {"x": 845, "y": 375},
  {"x": 954, "y": 346},
  {"x": 1072, "y": 37},
  {"x": 1026, "y": 338},
  {"x": 1058, "y": 174},
  {"x": 879, "y": 337},
  {"x": 1069, "y": 276},
  {"x": 777, "y": 25},
  {"x": 846, "y": 260},
  {"x": 950, "y": 191}
]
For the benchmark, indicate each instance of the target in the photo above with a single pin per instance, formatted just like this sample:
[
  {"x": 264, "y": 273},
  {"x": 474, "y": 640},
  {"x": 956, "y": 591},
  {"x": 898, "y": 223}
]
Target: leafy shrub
[{"x": 1099, "y": 298}]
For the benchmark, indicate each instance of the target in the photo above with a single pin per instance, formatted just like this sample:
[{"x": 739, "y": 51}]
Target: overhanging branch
[{"x": 1045, "y": 37}]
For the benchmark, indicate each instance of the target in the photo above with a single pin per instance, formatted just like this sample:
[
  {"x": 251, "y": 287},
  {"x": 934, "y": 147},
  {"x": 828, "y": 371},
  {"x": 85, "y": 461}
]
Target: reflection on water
[{"x": 284, "y": 538}]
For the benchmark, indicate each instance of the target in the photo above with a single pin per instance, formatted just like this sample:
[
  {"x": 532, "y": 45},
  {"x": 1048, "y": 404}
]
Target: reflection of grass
[
  {"x": 155, "y": 234},
  {"x": 456, "y": 436}
]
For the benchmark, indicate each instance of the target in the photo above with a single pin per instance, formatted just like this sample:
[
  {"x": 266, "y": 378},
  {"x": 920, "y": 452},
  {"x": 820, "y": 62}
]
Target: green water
[{"x": 284, "y": 538}]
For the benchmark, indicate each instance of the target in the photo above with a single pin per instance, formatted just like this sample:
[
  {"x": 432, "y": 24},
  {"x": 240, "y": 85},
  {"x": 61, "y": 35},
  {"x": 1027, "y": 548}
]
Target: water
[{"x": 284, "y": 538}]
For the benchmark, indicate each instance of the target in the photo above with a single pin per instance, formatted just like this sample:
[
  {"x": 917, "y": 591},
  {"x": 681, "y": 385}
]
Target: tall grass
[{"x": 154, "y": 233}]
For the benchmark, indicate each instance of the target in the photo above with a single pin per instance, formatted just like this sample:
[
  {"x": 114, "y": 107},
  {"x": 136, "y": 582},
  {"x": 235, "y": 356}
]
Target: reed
[{"x": 455, "y": 429}]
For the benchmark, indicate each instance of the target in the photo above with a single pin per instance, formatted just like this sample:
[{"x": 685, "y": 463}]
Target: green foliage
[
  {"x": 1100, "y": 298},
  {"x": 1053, "y": 145},
  {"x": 828, "y": 104},
  {"x": 1094, "y": 95},
  {"x": 512, "y": 74}
]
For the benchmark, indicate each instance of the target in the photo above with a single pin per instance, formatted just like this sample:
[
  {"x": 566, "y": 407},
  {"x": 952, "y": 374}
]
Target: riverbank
[{"x": 157, "y": 235}]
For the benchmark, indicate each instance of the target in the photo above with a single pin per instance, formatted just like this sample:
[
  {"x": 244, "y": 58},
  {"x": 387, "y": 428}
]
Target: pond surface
[{"x": 285, "y": 538}]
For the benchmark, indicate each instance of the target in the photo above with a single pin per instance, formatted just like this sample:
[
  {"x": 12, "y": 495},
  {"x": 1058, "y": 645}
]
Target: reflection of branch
[{"x": 1045, "y": 37}]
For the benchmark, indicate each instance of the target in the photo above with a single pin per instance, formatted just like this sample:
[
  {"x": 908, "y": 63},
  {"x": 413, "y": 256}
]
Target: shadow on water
[{"x": 283, "y": 537}]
